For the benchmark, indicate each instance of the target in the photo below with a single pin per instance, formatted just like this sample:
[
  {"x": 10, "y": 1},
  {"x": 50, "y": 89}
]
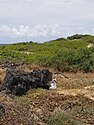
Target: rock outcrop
[{"x": 18, "y": 82}]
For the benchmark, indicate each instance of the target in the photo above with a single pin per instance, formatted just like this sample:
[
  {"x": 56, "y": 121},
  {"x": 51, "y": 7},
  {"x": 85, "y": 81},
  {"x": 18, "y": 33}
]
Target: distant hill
[
  {"x": 4, "y": 44},
  {"x": 74, "y": 53}
]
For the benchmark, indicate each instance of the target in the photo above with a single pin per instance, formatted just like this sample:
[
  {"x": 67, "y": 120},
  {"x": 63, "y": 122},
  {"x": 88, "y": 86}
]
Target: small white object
[
  {"x": 90, "y": 45},
  {"x": 53, "y": 84}
]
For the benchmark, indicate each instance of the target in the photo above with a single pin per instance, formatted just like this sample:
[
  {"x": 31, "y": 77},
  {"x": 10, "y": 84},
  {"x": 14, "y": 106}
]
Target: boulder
[{"x": 19, "y": 82}]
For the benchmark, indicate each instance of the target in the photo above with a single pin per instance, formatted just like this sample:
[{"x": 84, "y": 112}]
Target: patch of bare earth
[
  {"x": 76, "y": 83},
  {"x": 2, "y": 74},
  {"x": 84, "y": 91},
  {"x": 74, "y": 93}
]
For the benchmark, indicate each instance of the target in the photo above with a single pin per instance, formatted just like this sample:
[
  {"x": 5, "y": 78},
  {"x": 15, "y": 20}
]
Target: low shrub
[{"x": 64, "y": 118}]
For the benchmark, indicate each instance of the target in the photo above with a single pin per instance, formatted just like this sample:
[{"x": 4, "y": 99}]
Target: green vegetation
[
  {"x": 64, "y": 118},
  {"x": 71, "y": 54}
]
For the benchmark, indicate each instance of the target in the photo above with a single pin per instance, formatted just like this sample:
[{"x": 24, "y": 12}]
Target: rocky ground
[{"x": 74, "y": 95}]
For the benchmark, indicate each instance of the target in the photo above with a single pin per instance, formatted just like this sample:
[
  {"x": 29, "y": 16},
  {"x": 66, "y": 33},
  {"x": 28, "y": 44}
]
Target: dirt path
[{"x": 86, "y": 91}]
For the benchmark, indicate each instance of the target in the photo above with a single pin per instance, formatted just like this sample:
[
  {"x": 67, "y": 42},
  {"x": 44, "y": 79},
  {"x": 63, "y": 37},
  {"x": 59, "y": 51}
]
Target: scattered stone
[{"x": 2, "y": 110}]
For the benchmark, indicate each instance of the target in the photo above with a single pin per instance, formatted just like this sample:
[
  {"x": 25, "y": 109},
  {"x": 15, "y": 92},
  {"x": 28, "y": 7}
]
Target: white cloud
[
  {"x": 4, "y": 28},
  {"x": 22, "y": 31}
]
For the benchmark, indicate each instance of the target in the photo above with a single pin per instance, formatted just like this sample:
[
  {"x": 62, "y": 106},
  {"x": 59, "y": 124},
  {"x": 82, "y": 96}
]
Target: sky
[{"x": 44, "y": 20}]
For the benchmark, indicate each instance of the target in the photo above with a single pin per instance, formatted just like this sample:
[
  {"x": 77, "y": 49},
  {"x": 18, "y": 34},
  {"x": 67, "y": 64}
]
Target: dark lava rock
[
  {"x": 18, "y": 82},
  {"x": 2, "y": 110}
]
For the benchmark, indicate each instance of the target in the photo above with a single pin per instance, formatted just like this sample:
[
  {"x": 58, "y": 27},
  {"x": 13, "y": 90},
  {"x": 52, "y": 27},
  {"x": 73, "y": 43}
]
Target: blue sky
[{"x": 42, "y": 20}]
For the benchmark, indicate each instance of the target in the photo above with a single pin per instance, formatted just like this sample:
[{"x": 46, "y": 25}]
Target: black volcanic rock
[{"x": 18, "y": 82}]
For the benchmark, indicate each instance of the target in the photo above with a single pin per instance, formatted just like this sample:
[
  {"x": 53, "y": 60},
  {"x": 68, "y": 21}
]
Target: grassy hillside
[{"x": 71, "y": 54}]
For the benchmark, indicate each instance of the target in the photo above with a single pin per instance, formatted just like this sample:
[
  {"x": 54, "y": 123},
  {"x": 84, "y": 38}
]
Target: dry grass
[
  {"x": 2, "y": 74},
  {"x": 74, "y": 80}
]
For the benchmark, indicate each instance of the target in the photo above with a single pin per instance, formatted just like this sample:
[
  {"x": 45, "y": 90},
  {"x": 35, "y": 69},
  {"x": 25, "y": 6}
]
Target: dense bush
[
  {"x": 72, "y": 60},
  {"x": 77, "y": 36},
  {"x": 61, "y": 54}
]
